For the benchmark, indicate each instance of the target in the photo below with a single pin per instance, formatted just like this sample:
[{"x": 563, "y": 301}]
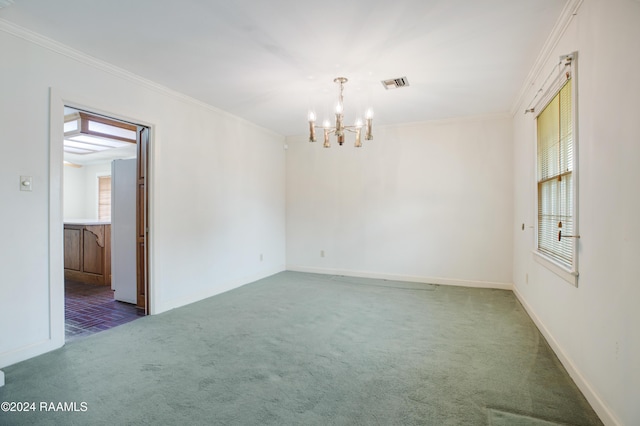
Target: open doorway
[{"x": 105, "y": 211}]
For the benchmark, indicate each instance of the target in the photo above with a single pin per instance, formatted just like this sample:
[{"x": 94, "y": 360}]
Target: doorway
[{"x": 105, "y": 214}]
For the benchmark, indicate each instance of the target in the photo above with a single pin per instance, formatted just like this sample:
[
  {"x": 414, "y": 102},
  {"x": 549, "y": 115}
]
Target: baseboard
[
  {"x": 227, "y": 286},
  {"x": 408, "y": 278},
  {"x": 29, "y": 351},
  {"x": 598, "y": 405}
]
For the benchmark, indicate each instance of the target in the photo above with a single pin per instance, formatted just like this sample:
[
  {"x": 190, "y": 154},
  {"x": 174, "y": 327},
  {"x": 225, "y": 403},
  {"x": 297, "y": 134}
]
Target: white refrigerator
[{"x": 123, "y": 230}]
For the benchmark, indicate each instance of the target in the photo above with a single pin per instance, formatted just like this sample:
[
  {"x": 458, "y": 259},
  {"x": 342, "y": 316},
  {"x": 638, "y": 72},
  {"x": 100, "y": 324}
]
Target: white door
[{"x": 123, "y": 230}]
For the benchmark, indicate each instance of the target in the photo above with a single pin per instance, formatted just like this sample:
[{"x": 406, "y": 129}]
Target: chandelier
[{"x": 339, "y": 129}]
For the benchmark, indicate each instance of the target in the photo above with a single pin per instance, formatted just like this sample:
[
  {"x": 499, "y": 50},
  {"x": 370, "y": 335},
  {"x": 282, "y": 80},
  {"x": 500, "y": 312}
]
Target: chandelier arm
[
  {"x": 351, "y": 129},
  {"x": 339, "y": 128},
  {"x": 332, "y": 129}
]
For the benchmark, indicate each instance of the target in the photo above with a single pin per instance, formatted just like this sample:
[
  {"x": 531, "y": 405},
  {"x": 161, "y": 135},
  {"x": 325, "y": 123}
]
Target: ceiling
[{"x": 270, "y": 62}]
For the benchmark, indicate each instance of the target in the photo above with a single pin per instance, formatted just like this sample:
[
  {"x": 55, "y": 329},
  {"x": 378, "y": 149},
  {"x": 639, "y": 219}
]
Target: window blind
[
  {"x": 555, "y": 177},
  {"x": 104, "y": 198}
]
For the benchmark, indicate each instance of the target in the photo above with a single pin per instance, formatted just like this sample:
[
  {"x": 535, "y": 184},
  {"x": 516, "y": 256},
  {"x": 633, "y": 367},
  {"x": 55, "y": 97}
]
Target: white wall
[
  {"x": 81, "y": 190},
  {"x": 73, "y": 192},
  {"x": 217, "y": 188},
  {"x": 425, "y": 202},
  {"x": 595, "y": 328},
  {"x": 432, "y": 201}
]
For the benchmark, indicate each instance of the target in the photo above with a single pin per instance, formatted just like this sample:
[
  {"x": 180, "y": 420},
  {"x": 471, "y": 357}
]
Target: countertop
[{"x": 87, "y": 222}]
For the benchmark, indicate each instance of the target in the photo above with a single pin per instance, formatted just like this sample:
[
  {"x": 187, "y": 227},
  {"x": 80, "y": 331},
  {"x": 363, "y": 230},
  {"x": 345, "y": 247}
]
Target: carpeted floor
[{"x": 310, "y": 349}]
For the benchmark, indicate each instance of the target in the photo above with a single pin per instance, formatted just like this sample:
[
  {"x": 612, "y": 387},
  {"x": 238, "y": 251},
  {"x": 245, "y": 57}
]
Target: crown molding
[
  {"x": 570, "y": 10},
  {"x": 86, "y": 59},
  {"x": 101, "y": 65}
]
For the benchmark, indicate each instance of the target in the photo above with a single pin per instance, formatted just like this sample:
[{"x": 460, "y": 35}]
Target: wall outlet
[
  {"x": 526, "y": 278},
  {"x": 261, "y": 257},
  {"x": 321, "y": 253}
]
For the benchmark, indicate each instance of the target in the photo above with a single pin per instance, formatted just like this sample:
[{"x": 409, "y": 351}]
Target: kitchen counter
[
  {"x": 87, "y": 251},
  {"x": 86, "y": 222}
]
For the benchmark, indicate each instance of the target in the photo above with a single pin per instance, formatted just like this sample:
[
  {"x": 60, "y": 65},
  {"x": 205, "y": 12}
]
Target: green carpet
[
  {"x": 307, "y": 349},
  {"x": 502, "y": 418}
]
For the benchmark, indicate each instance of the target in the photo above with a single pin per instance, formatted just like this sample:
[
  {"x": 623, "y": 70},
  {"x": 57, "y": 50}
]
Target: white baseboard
[
  {"x": 598, "y": 405},
  {"x": 29, "y": 351},
  {"x": 163, "y": 306},
  {"x": 407, "y": 278}
]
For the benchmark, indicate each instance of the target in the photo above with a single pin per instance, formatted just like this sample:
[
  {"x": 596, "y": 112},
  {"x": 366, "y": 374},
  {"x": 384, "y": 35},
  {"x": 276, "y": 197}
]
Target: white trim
[
  {"x": 569, "y": 276},
  {"x": 569, "y": 11},
  {"x": 433, "y": 122},
  {"x": 227, "y": 286},
  {"x": 604, "y": 412},
  {"x": 26, "y": 352},
  {"x": 58, "y": 101},
  {"x": 464, "y": 119},
  {"x": 576, "y": 161},
  {"x": 407, "y": 278},
  {"x": 56, "y": 221},
  {"x": 551, "y": 90},
  {"x": 83, "y": 58}
]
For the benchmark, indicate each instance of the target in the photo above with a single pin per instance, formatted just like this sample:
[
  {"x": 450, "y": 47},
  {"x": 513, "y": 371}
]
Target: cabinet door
[
  {"x": 72, "y": 248},
  {"x": 93, "y": 249}
]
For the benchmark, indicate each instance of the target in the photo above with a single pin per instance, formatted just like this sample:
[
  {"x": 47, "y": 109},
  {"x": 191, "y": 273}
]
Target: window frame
[{"x": 569, "y": 274}]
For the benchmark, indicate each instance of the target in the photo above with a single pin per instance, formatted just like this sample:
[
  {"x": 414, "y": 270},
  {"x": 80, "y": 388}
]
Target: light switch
[{"x": 26, "y": 183}]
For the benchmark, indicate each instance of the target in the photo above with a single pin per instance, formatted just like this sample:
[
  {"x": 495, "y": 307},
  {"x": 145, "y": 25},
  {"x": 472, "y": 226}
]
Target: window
[
  {"x": 556, "y": 178},
  {"x": 104, "y": 198}
]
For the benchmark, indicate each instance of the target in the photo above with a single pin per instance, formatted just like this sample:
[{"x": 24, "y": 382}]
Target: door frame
[{"x": 57, "y": 102}]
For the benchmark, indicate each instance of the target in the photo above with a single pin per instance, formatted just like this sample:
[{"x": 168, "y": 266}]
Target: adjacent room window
[
  {"x": 556, "y": 178},
  {"x": 104, "y": 198}
]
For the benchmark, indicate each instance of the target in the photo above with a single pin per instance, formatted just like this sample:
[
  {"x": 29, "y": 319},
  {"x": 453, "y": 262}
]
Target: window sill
[{"x": 569, "y": 276}]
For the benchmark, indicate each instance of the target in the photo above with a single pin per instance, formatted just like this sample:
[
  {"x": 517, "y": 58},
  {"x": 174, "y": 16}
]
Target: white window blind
[
  {"x": 104, "y": 198},
  {"x": 556, "y": 210}
]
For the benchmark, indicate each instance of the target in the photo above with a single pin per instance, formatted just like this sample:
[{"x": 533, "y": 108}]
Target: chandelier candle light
[{"x": 340, "y": 128}]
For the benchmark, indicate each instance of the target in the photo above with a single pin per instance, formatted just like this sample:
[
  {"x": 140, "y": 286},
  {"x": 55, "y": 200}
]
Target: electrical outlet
[
  {"x": 526, "y": 278},
  {"x": 321, "y": 253},
  {"x": 261, "y": 257}
]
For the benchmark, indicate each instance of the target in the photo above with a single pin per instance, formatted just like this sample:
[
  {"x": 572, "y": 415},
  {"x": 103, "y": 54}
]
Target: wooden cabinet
[{"x": 87, "y": 253}]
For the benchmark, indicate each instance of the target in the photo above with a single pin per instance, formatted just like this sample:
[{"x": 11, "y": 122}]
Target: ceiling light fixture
[
  {"x": 340, "y": 128},
  {"x": 85, "y": 133}
]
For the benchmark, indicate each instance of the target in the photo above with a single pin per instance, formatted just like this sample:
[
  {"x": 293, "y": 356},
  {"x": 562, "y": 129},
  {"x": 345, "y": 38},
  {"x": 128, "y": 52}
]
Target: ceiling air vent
[{"x": 395, "y": 83}]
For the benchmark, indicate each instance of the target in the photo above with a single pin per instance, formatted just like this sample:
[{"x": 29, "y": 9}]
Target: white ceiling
[{"x": 271, "y": 61}]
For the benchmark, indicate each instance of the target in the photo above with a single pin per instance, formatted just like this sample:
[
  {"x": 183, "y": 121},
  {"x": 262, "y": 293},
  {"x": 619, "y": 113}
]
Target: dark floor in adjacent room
[{"x": 91, "y": 308}]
